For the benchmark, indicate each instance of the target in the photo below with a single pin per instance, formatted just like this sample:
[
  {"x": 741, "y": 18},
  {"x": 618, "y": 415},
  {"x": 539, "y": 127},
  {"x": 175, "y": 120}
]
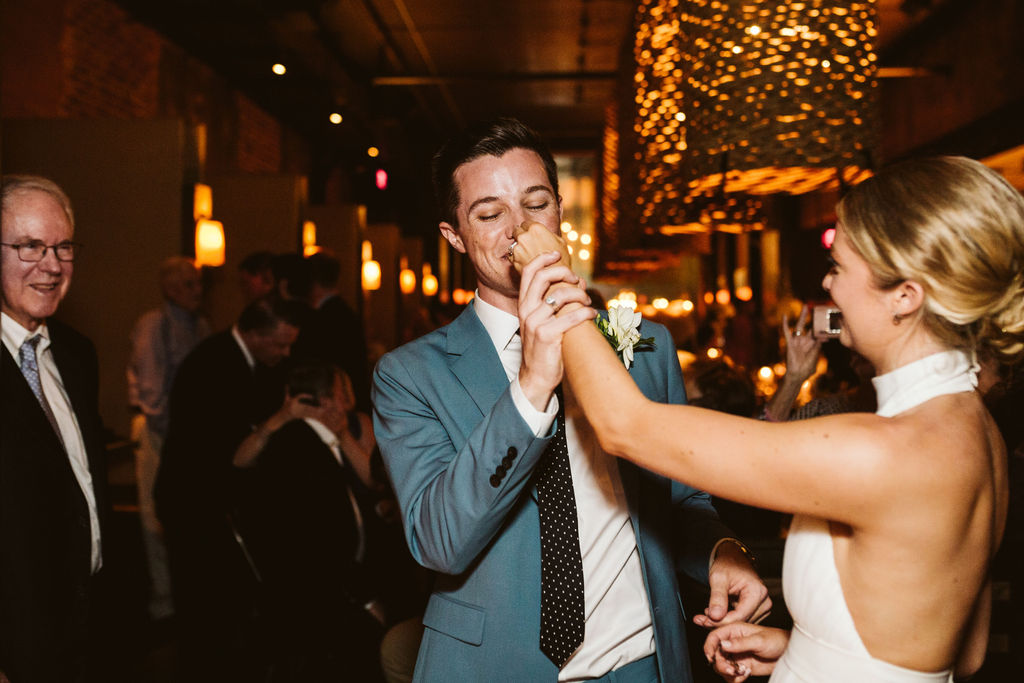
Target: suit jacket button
[
  {"x": 512, "y": 452},
  {"x": 495, "y": 480},
  {"x": 501, "y": 470},
  {"x": 506, "y": 462}
]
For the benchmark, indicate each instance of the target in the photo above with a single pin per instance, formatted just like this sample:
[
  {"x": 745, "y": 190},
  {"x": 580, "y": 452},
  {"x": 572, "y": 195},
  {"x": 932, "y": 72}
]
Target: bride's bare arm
[{"x": 835, "y": 467}]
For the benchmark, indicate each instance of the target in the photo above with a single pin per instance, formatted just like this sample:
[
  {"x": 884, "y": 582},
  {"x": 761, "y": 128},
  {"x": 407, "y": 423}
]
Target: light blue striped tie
[{"x": 30, "y": 368}]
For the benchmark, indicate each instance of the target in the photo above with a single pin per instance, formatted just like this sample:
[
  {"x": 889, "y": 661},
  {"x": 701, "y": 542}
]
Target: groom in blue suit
[{"x": 463, "y": 416}]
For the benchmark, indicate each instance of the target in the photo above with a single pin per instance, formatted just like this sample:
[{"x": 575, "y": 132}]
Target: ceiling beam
[{"x": 470, "y": 79}]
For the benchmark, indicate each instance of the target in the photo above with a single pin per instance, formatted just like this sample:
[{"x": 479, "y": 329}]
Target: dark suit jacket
[
  {"x": 214, "y": 403},
  {"x": 45, "y": 538},
  {"x": 301, "y": 529},
  {"x": 335, "y": 333}
]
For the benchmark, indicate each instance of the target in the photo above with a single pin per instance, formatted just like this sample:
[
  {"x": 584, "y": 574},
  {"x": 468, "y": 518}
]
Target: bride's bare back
[{"x": 913, "y": 571}]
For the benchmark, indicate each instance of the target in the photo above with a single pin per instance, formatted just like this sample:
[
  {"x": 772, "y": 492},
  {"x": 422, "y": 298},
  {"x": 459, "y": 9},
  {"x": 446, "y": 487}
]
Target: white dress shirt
[
  {"x": 619, "y": 629},
  {"x": 53, "y": 388}
]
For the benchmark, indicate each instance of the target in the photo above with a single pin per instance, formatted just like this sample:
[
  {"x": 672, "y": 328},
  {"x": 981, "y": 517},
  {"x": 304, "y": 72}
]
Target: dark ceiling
[
  {"x": 427, "y": 66},
  {"x": 406, "y": 73},
  {"x": 423, "y": 66}
]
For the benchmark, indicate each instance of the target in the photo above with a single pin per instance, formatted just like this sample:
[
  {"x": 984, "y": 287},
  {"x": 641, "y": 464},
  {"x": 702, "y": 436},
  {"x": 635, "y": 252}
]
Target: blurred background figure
[
  {"x": 306, "y": 512},
  {"x": 160, "y": 341},
  {"x": 256, "y": 276},
  {"x": 334, "y": 331},
  {"x": 217, "y": 397}
]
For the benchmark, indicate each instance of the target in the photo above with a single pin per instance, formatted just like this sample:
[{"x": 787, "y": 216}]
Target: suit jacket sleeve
[
  {"x": 697, "y": 525},
  {"x": 442, "y": 478}
]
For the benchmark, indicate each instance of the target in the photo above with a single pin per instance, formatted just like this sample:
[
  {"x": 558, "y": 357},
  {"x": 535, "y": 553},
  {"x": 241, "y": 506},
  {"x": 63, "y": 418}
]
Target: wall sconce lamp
[
  {"x": 210, "y": 244},
  {"x": 406, "y": 278},
  {"x": 309, "y": 245},
  {"x": 429, "y": 281},
  {"x": 371, "y": 268}
]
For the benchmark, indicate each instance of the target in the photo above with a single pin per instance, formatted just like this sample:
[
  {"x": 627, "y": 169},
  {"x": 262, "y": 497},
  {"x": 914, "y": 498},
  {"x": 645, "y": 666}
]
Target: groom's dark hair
[{"x": 490, "y": 138}]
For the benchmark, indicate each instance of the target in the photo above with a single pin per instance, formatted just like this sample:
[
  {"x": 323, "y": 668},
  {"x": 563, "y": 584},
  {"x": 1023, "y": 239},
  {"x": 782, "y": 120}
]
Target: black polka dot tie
[{"x": 561, "y": 567}]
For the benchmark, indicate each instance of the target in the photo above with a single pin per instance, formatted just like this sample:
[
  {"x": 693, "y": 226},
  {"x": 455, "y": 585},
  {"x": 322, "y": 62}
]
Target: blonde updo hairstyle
[{"x": 956, "y": 227}]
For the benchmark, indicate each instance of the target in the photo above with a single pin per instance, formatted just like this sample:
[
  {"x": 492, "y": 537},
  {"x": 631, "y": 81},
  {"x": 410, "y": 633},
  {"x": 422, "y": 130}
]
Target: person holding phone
[{"x": 302, "y": 476}]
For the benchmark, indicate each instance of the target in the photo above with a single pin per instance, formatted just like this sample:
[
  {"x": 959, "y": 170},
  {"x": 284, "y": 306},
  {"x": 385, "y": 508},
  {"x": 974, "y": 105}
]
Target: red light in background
[
  {"x": 382, "y": 179},
  {"x": 828, "y": 236}
]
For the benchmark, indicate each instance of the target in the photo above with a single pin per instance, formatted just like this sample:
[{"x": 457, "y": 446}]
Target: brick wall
[
  {"x": 259, "y": 138},
  {"x": 87, "y": 59},
  {"x": 111, "y": 64}
]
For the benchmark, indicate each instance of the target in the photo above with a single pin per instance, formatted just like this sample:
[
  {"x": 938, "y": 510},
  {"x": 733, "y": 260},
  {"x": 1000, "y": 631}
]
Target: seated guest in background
[
  {"x": 53, "y": 493},
  {"x": 334, "y": 331},
  {"x": 303, "y": 522},
  {"x": 529, "y": 586},
  {"x": 160, "y": 341},
  {"x": 898, "y": 514},
  {"x": 719, "y": 385},
  {"x": 216, "y": 399},
  {"x": 256, "y": 276}
]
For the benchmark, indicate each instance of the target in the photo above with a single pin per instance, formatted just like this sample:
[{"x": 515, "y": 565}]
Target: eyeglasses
[{"x": 34, "y": 251}]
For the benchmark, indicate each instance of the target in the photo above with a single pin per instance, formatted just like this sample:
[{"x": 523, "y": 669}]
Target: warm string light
[
  {"x": 371, "y": 274},
  {"x": 406, "y": 277},
  {"x": 429, "y": 281},
  {"x": 309, "y": 245}
]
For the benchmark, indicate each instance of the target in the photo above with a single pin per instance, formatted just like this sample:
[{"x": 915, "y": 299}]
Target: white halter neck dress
[{"x": 824, "y": 646}]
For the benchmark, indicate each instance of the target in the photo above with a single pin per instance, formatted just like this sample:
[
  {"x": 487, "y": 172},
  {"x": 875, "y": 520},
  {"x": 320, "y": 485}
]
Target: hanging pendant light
[{"x": 780, "y": 97}]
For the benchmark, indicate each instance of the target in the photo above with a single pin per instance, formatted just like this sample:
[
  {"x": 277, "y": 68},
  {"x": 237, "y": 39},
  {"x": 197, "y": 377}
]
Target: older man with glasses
[{"x": 52, "y": 476}]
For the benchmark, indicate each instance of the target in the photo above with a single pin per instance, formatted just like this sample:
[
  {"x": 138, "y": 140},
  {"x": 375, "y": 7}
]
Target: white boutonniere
[{"x": 622, "y": 330}]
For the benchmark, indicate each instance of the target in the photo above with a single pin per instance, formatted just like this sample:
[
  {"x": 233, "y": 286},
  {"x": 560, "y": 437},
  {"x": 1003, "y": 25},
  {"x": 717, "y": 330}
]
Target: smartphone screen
[{"x": 827, "y": 322}]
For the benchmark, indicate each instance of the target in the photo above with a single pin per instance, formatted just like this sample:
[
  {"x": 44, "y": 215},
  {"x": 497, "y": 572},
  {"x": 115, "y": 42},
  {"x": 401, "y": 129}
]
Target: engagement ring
[
  {"x": 550, "y": 301},
  {"x": 511, "y": 248}
]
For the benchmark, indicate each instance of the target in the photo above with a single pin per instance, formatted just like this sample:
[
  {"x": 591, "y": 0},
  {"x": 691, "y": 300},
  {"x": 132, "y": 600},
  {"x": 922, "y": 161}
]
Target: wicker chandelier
[
  {"x": 781, "y": 96},
  {"x": 732, "y": 98}
]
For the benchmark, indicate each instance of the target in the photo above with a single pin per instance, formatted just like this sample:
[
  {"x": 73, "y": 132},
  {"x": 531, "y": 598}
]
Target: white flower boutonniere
[{"x": 621, "y": 329}]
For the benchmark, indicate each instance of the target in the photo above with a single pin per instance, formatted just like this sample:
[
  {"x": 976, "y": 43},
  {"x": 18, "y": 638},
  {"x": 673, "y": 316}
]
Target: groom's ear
[{"x": 452, "y": 235}]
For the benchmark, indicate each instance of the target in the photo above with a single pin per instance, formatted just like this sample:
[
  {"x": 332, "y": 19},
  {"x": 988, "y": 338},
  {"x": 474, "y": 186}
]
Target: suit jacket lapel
[
  {"x": 474, "y": 361},
  {"x": 22, "y": 396}
]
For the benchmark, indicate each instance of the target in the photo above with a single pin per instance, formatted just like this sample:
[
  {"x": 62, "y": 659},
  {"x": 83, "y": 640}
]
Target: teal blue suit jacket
[{"x": 445, "y": 420}]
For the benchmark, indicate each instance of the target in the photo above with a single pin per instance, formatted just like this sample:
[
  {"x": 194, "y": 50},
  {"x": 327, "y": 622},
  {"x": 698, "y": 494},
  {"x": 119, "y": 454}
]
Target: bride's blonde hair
[{"x": 956, "y": 227}]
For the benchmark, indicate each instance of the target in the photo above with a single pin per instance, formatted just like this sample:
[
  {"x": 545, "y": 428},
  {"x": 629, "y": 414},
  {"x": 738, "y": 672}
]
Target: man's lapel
[
  {"x": 22, "y": 400},
  {"x": 474, "y": 361}
]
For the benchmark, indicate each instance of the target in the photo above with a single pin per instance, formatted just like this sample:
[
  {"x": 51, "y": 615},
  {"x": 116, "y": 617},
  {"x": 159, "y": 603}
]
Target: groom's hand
[
  {"x": 547, "y": 287},
  {"x": 737, "y": 592}
]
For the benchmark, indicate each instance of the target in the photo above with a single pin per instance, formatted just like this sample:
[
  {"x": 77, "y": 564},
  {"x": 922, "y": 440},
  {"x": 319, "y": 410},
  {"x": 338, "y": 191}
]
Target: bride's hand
[
  {"x": 739, "y": 650},
  {"x": 532, "y": 240}
]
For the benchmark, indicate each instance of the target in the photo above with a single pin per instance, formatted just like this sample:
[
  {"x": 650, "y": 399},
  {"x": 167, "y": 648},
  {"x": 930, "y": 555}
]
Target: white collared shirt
[
  {"x": 249, "y": 360},
  {"x": 53, "y": 388},
  {"x": 619, "y": 629}
]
